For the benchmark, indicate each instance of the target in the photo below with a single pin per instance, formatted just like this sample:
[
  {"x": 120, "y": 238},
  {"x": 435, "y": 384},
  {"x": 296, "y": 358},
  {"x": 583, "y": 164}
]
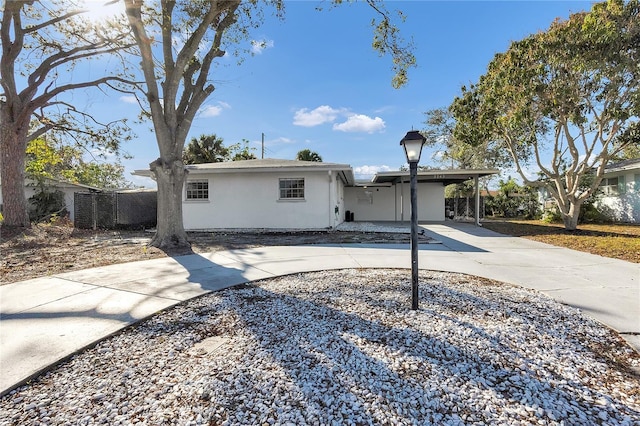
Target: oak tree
[{"x": 41, "y": 43}]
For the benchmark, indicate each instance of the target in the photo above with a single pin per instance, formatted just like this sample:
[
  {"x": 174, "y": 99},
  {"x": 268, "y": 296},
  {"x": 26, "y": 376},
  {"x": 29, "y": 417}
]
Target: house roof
[
  {"x": 445, "y": 176},
  {"x": 266, "y": 165},
  {"x": 619, "y": 166},
  {"x": 61, "y": 183}
]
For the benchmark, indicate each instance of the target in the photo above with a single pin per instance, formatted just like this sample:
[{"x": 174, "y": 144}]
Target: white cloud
[
  {"x": 214, "y": 110},
  {"x": 361, "y": 123},
  {"x": 259, "y": 46},
  {"x": 322, "y": 114},
  {"x": 279, "y": 141},
  {"x": 363, "y": 172},
  {"x": 326, "y": 114},
  {"x": 129, "y": 99}
]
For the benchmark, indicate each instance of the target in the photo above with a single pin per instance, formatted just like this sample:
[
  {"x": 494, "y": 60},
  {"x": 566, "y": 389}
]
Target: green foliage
[
  {"x": 45, "y": 203},
  {"x": 66, "y": 163},
  {"x": 506, "y": 203},
  {"x": 513, "y": 200},
  {"x": 552, "y": 216},
  {"x": 242, "y": 151},
  {"x": 206, "y": 149},
  {"x": 573, "y": 90},
  {"x": 439, "y": 132},
  {"x": 308, "y": 155},
  {"x": 211, "y": 149}
]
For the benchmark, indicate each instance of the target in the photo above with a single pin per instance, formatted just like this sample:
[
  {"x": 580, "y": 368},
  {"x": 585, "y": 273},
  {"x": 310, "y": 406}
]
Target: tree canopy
[
  {"x": 46, "y": 160},
  {"x": 211, "y": 149},
  {"x": 205, "y": 149},
  {"x": 41, "y": 43},
  {"x": 564, "y": 101},
  {"x": 308, "y": 155}
]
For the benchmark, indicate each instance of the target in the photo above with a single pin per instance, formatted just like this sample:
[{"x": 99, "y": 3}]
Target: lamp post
[{"x": 412, "y": 144}]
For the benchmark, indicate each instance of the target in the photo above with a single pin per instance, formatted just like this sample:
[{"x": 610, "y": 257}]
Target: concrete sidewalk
[{"x": 44, "y": 320}]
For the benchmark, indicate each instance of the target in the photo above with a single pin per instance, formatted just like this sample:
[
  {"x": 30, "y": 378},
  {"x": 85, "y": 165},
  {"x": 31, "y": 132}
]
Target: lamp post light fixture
[{"x": 412, "y": 144}]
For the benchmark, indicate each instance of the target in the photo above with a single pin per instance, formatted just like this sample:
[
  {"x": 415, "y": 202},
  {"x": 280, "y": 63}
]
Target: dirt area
[{"x": 47, "y": 249}]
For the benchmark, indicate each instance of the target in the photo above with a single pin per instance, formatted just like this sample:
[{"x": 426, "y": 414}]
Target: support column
[{"x": 477, "y": 212}]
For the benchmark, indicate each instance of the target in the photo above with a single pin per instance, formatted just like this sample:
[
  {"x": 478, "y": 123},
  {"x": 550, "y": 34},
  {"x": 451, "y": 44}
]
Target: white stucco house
[
  {"x": 291, "y": 194},
  {"x": 620, "y": 191}
]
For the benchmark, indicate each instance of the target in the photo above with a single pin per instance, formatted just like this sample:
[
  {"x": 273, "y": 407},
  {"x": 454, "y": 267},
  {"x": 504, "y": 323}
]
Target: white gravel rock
[{"x": 343, "y": 348}]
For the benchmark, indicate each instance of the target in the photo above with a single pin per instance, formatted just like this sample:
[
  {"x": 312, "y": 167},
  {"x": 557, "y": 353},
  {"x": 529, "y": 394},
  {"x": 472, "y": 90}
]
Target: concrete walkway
[{"x": 44, "y": 320}]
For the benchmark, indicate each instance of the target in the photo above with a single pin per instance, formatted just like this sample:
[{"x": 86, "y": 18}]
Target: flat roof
[
  {"x": 266, "y": 165},
  {"x": 447, "y": 177}
]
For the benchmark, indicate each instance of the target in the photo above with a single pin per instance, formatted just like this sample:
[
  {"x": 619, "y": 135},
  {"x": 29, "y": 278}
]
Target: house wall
[
  {"x": 623, "y": 206},
  {"x": 29, "y": 191},
  {"x": 251, "y": 200},
  {"x": 371, "y": 203},
  {"x": 394, "y": 203}
]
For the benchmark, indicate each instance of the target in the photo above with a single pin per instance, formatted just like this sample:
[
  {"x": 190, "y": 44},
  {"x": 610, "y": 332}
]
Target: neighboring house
[
  {"x": 67, "y": 188},
  {"x": 620, "y": 191},
  {"x": 291, "y": 194}
]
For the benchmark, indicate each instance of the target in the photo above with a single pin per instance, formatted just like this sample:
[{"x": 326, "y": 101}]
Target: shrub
[{"x": 46, "y": 203}]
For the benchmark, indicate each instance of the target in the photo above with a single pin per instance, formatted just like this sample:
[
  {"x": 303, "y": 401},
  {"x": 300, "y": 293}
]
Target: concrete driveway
[{"x": 45, "y": 320}]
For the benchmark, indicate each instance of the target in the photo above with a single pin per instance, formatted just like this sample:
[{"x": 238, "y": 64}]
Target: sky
[{"x": 314, "y": 81}]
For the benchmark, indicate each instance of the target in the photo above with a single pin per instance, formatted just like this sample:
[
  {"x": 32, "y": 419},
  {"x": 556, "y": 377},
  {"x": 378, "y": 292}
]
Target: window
[
  {"x": 636, "y": 179},
  {"x": 292, "y": 189},
  {"x": 613, "y": 185},
  {"x": 198, "y": 189}
]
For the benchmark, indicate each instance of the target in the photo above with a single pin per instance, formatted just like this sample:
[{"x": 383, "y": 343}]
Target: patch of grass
[{"x": 618, "y": 241}]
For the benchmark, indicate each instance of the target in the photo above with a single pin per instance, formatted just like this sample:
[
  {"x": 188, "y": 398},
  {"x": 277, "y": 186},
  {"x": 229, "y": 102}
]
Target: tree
[
  {"x": 41, "y": 42},
  {"x": 439, "y": 132},
  {"x": 506, "y": 202},
  {"x": 308, "y": 155},
  {"x": 205, "y": 149},
  {"x": 573, "y": 88},
  {"x": 242, "y": 151},
  {"x": 177, "y": 81},
  {"x": 45, "y": 160}
]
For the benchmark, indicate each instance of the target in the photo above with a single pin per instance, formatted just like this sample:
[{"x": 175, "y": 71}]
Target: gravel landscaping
[{"x": 343, "y": 348}]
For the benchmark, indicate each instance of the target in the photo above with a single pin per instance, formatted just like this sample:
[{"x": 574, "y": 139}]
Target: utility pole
[{"x": 263, "y": 146}]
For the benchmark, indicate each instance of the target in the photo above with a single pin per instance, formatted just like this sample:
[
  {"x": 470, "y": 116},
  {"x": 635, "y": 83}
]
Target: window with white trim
[
  {"x": 197, "y": 190},
  {"x": 613, "y": 185},
  {"x": 292, "y": 189}
]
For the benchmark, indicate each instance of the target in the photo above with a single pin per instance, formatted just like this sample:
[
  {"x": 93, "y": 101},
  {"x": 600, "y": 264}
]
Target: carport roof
[{"x": 445, "y": 176}]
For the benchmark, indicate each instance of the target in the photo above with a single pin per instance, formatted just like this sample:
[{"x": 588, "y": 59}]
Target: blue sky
[{"x": 318, "y": 84}]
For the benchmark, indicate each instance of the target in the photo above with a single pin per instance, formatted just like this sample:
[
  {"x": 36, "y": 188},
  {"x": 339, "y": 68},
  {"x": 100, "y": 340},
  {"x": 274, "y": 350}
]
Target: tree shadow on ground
[{"x": 325, "y": 359}]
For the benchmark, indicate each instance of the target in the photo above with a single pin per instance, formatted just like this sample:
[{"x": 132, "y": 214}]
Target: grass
[{"x": 618, "y": 241}]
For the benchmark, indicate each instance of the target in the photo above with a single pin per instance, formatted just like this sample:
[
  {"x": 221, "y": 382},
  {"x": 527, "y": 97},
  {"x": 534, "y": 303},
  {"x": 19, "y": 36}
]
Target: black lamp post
[{"x": 412, "y": 144}]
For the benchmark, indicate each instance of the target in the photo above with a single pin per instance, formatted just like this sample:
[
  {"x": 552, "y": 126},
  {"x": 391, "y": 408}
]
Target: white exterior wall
[
  {"x": 394, "y": 203},
  {"x": 29, "y": 191},
  {"x": 371, "y": 203},
  {"x": 251, "y": 200},
  {"x": 625, "y": 206}
]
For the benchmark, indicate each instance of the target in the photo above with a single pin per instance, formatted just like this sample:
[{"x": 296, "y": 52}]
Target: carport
[{"x": 444, "y": 177}]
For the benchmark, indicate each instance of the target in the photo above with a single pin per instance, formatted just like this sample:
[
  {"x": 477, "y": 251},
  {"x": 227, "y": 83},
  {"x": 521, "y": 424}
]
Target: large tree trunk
[
  {"x": 13, "y": 144},
  {"x": 170, "y": 234},
  {"x": 570, "y": 217}
]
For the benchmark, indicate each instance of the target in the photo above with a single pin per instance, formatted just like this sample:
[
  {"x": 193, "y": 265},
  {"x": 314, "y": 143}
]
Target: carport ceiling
[{"x": 445, "y": 176}]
